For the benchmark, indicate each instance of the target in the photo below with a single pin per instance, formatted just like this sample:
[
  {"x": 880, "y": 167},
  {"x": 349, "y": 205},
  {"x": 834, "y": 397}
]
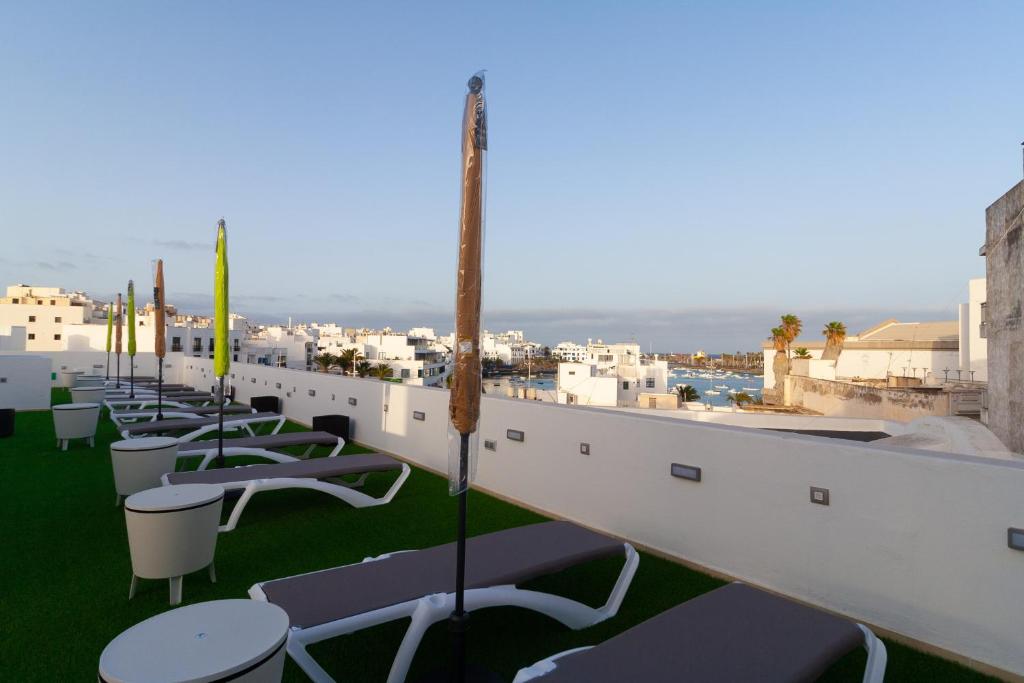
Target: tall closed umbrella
[
  {"x": 117, "y": 339},
  {"x": 131, "y": 339},
  {"x": 464, "y": 401},
  {"x": 221, "y": 360},
  {"x": 110, "y": 332},
  {"x": 159, "y": 334}
]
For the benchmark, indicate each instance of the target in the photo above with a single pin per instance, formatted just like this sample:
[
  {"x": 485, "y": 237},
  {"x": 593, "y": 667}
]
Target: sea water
[{"x": 739, "y": 381}]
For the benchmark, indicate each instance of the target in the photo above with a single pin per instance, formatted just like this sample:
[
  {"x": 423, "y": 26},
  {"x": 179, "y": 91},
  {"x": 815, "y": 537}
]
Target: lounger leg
[
  {"x": 316, "y": 673},
  {"x": 117, "y": 500},
  {"x": 64, "y": 444},
  {"x": 240, "y": 504},
  {"x": 430, "y": 610},
  {"x": 92, "y": 441},
  {"x": 213, "y": 573},
  {"x": 874, "y": 669},
  {"x": 175, "y": 582},
  {"x": 135, "y": 584}
]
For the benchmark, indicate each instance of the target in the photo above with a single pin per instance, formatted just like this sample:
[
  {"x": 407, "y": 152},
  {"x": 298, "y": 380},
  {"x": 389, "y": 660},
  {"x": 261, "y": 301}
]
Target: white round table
[
  {"x": 88, "y": 394},
  {"x": 222, "y": 640},
  {"x": 75, "y": 421},
  {"x": 69, "y": 377},
  {"x": 89, "y": 381},
  {"x": 139, "y": 463},
  {"x": 172, "y": 531}
]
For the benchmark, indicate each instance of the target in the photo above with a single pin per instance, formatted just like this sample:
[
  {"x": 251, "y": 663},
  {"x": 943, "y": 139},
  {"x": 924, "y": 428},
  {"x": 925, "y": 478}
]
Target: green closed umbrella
[
  {"x": 131, "y": 339},
  {"x": 221, "y": 360},
  {"x": 110, "y": 333}
]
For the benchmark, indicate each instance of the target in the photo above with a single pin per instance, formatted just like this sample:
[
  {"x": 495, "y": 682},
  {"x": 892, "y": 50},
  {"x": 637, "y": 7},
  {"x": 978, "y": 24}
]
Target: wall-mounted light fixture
[
  {"x": 691, "y": 472},
  {"x": 352, "y": 401},
  {"x": 490, "y": 444},
  {"x": 312, "y": 392},
  {"x": 277, "y": 385},
  {"x": 819, "y": 496},
  {"x": 585, "y": 448},
  {"x": 419, "y": 415},
  {"x": 515, "y": 435},
  {"x": 1015, "y": 538}
]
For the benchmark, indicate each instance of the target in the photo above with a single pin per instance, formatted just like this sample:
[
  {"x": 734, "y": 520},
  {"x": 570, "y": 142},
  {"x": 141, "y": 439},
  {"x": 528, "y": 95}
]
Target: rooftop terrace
[{"x": 66, "y": 569}]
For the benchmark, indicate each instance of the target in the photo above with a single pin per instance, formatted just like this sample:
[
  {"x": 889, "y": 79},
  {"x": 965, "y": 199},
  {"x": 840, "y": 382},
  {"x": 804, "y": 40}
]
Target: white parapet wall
[
  {"x": 24, "y": 381},
  {"x": 95, "y": 363},
  {"x": 914, "y": 542}
]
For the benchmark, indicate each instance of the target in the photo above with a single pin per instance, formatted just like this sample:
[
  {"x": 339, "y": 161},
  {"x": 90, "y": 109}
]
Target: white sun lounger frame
[
  {"x": 231, "y": 423},
  {"x": 431, "y": 609},
  {"x": 119, "y": 417},
  {"x": 341, "y": 491},
  {"x": 210, "y": 454}
]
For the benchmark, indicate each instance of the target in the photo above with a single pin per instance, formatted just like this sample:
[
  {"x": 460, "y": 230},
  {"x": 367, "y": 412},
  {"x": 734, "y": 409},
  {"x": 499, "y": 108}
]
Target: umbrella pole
[
  {"x": 160, "y": 389},
  {"x": 108, "y": 365},
  {"x": 458, "y": 622},
  {"x": 220, "y": 424},
  {"x": 131, "y": 377}
]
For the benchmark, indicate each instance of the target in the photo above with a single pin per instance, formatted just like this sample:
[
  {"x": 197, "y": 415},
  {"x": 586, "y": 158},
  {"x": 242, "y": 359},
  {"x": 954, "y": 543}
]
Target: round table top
[
  {"x": 146, "y": 443},
  {"x": 207, "y": 641},
  {"x": 75, "y": 406},
  {"x": 73, "y": 372},
  {"x": 170, "y": 498}
]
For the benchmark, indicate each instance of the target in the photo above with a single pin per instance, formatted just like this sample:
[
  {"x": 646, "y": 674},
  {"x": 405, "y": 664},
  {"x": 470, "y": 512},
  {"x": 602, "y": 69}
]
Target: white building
[
  {"x": 611, "y": 375},
  {"x": 570, "y": 352},
  {"x": 926, "y": 350},
  {"x": 282, "y": 347},
  {"x": 973, "y": 342},
  {"x": 44, "y": 312},
  {"x": 413, "y": 358}
]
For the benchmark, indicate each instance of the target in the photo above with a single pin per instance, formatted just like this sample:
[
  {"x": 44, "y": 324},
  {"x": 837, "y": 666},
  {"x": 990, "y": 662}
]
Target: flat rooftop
[{"x": 66, "y": 569}]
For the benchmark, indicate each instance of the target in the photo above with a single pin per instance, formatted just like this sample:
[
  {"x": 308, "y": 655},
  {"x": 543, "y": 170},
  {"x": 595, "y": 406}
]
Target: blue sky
[{"x": 680, "y": 173}]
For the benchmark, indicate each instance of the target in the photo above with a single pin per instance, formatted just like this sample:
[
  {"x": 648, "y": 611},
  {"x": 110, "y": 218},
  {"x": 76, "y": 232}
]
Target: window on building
[
  {"x": 14, "y": 301},
  {"x": 650, "y": 382},
  {"x": 175, "y": 344},
  {"x": 56, "y": 337},
  {"x": 405, "y": 373},
  {"x": 53, "y": 302},
  {"x": 605, "y": 358},
  {"x": 31, "y": 318},
  {"x": 31, "y": 335},
  {"x": 625, "y": 385},
  {"x": 56, "y": 319},
  {"x": 235, "y": 357},
  {"x": 572, "y": 372},
  {"x": 419, "y": 373},
  {"x": 211, "y": 344},
  {"x": 197, "y": 345},
  {"x": 238, "y": 345}
]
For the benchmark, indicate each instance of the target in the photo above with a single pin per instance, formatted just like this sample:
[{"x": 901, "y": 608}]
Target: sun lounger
[
  {"x": 419, "y": 585},
  {"x": 299, "y": 474},
  {"x": 263, "y": 446},
  {"x": 196, "y": 427},
  {"x": 123, "y": 417},
  {"x": 734, "y": 633}
]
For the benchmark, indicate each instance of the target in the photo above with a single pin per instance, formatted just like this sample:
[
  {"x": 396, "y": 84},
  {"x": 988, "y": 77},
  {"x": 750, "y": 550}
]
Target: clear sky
[{"x": 676, "y": 172}]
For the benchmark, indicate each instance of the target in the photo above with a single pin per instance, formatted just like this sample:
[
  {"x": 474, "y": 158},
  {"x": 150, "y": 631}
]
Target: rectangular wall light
[
  {"x": 352, "y": 401},
  {"x": 690, "y": 472},
  {"x": 515, "y": 435},
  {"x": 419, "y": 415},
  {"x": 490, "y": 444},
  {"x": 819, "y": 496},
  {"x": 1015, "y": 538}
]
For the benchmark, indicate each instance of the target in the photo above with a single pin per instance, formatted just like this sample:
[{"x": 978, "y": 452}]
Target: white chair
[{"x": 139, "y": 463}]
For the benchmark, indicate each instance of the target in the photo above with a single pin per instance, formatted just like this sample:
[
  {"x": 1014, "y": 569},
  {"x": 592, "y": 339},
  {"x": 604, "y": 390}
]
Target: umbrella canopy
[
  {"x": 117, "y": 337},
  {"x": 131, "y": 318},
  {"x": 160, "y": 331},
  {"x": 110, "y": 324},
  {"x": 464, "y": 402},
  {"x": 221, "y": 360}
]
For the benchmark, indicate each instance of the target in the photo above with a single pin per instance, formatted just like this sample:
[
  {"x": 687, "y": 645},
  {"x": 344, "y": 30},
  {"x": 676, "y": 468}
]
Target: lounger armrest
[{"x": 544, "y": 666}]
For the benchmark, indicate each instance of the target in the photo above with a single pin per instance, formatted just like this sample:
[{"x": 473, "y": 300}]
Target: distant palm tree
[
  {"x": 801, "y": 352},
  {"x": 779, "y": 339},
  {"x": 835, "y": 335},
  {"x": 687, "y": 394},
  {"x": 324, "y": 361},
  {"x": 363, "y": 368},
  {"x": 382, "y": 371},
  {"x": 791, "y": 326},
  {"x": 348, "y": 359},
  {"x": 740, "y": 398}
]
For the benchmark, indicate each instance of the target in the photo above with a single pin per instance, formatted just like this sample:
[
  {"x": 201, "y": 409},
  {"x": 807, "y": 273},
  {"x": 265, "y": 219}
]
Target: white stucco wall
[
  {"x": 913, "y": 541},
  {"x": 24, "y": 381}
]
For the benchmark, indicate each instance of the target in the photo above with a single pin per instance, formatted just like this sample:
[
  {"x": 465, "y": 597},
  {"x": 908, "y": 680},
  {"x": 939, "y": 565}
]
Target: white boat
[
  {"x": 712, "y": 392},
  {"x": 751, "y": 389},
  {"x": 721, "y": 386}
]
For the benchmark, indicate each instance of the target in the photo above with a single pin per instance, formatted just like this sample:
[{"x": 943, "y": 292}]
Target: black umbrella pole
[
  {"x": 119, "y": 371},
  {"x": 108, "y": 365},
  {"x": 160, "y": 389},
  {"x": 220, "y": 425},
  {"x": 131, "y": 377},
  {"x": 458, "y": 622}
]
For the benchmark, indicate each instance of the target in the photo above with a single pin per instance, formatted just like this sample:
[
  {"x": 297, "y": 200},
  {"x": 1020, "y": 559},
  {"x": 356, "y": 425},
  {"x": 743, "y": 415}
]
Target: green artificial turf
[{"x": 65, "y": 569}]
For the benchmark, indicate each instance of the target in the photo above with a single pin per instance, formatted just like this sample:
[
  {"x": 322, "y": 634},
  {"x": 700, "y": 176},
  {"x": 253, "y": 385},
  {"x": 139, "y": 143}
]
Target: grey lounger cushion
[
  {"x": 197, "y": 410},
  {"x": 315, "y": 468},
  {"x": 734, "y": 633},
  {"x": 187, "y": 424},
  {"x": 269, "y": 442},
  {"x": 512, "y": 556}
]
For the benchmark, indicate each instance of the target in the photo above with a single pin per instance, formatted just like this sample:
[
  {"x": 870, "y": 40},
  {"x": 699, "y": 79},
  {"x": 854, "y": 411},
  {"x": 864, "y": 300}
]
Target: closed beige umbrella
[
  {"x": 160, "y": 334},
  {"x": 464, "y": 401}
]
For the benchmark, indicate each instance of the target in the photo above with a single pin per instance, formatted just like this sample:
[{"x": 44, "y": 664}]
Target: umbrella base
[{"x": 474, "y": 674}]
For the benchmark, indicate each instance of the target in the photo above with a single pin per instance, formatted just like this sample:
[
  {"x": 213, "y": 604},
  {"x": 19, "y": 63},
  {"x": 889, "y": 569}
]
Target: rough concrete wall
[
  {"x": 841, "y": 399},
  {"x": 1004, "y": 265}
]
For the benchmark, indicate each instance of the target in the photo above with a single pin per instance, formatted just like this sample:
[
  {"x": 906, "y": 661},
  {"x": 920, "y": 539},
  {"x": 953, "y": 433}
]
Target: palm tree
[
  {"x": 363, "y": 368},
  {"x": 801, "y": 352},
  {"x": 687, "y": 394},
  {"x": 779, "y": 339},
  {"x": 739, "y": 399},
  {"x": 382, "y": 371},
  {"x": 835, "y": 335},
  {"x": 780, "y": 364},
  {"x": 348, "y": 359},
  {"x": 325, "y": 360},
  {"x": 791, "y": 326}
]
